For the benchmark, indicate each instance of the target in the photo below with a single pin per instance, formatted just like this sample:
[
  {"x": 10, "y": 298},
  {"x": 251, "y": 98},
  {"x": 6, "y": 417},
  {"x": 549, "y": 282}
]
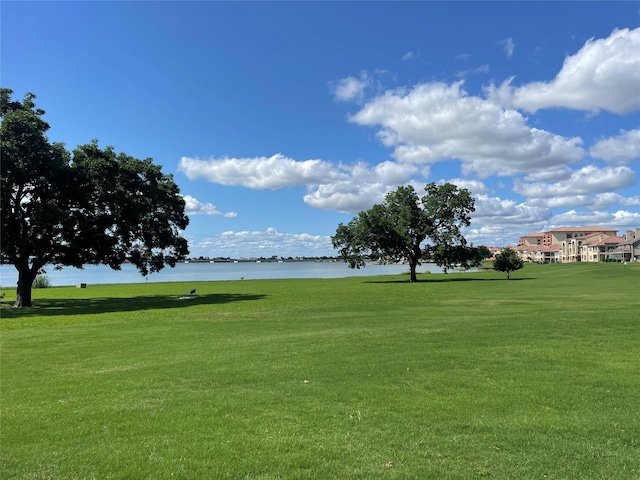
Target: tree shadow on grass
[
  {"x": 445, "y": 279},
  {"x": 89, "y": 306}
]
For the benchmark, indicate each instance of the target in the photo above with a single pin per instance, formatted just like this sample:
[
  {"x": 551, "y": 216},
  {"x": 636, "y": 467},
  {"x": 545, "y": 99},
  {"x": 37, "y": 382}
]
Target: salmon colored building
[{"x": 579, "y": 244}]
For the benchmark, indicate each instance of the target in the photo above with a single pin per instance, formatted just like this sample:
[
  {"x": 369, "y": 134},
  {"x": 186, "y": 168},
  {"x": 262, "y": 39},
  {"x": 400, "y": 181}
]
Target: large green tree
[
  {"x": 408, "y": 228},
  {"x": 92, "y": 206}
]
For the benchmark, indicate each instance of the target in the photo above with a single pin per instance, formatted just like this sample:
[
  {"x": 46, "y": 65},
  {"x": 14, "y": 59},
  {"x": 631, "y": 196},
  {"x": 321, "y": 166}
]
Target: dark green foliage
[
  {"x": 508, "y": 261},
  {"x": 407, "y": 228},
  {"x": 483, "y": 252},
  {"x": 95, "y": 206}
]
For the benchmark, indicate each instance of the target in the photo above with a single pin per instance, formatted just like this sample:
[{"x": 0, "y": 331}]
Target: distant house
[
  {"x": 540, "y": 253},
  {"x": 579, "y": 244},
  {"x": 538, "y": 238},
  {"x": 599, "y": 247},
  {"x": 629, "y": 248}
]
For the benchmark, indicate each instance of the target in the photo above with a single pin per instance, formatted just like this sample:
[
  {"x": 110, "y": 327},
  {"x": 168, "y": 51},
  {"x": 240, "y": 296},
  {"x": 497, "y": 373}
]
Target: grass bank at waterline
[{"x": 454, "y": 377}]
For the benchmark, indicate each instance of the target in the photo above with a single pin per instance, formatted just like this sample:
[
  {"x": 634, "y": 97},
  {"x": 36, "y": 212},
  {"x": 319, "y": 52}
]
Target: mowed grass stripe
[{"x": 457, "y": 376}]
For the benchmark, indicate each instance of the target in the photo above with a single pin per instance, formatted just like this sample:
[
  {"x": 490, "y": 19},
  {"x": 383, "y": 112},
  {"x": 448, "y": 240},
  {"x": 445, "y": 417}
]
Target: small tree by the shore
[{"x": 508, "y": 261}]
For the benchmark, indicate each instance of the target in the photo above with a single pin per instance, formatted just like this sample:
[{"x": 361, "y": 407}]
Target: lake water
[{"x": 193, "y": 272}]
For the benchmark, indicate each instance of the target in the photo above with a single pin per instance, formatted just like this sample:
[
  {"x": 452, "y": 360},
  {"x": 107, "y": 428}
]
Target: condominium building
[
  {"x": 599, "y": 247},
  {"x": 579, "y": 244},
  {"x": 629, "y": 248}
]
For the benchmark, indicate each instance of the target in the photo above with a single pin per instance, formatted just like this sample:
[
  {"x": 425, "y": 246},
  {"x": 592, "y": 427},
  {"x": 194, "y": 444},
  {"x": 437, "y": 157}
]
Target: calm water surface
[{"x": 191, "y": 272}]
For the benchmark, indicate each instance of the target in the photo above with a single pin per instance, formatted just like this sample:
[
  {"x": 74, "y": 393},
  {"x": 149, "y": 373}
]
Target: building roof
[
  {"x": 611, "y": 240},
  {"x": 591, "y": 237},
  {"x": 583, "y": 229},
  {"x": 615, "y": 239},
  {"x": 631, "y": 241}
]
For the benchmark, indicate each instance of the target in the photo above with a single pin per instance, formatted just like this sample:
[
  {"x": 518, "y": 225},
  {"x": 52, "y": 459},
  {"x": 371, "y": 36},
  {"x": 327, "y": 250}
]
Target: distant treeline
[{"x": 261, "y": 259}]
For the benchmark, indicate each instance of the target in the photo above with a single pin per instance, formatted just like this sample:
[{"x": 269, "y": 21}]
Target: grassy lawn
[{"x": 458, "y": 376}]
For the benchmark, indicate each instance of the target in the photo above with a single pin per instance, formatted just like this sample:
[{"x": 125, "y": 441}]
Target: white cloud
[
  {"x": 606, "y": 200},
  {"x": 620, "y": 218},
  {"x": 264, "y": 243},
  {"x": 592, "y": 202},
  {"x": 603, "y": 75},
  {"x": 625, "y": 218},
  {"x": 259, "y": 173},
  {"x": 624, "y": 148},
  {"x": 572, "y": 217},
  {"x": 476, "y": 187},
  {"x": 500, "y": 235},
  {"x": 497, "y": 211},
  {"x": 563, "y": 202},
  {"x": 500, "y": 222},
  {"x": 344, "y": 188},
  {"x": 587, "y": 180},
  {"x": 361, "y": 187},
  {"x": 350, "y": 88},
  {"x": 194, "y": 207},
  {"x": 559, "y": 172},
  {"x": 435, "y": 122},
  {"x": 481, "y": 69},
  {"x": 494, "y": 231},
  {"x": 409, "y": 56},
  {"x": 508, "y": 46}
]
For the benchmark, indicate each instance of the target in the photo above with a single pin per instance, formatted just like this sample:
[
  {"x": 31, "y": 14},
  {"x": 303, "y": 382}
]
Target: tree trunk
[
  {"x": 26, "y": 276},
  {"x": 412, "y": 269}
]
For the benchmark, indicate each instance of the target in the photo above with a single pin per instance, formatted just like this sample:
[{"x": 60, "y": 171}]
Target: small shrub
[{"x": 41, "y": 281}]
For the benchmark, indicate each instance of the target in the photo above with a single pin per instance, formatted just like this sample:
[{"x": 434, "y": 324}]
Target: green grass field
[{"x": 458, "y": 376}]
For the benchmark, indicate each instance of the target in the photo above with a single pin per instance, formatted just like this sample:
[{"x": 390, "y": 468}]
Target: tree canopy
[
  {"x": 408, "y": 228},
  {"x": 91, "y": 206},
  {"x": 508, "y": 261}
]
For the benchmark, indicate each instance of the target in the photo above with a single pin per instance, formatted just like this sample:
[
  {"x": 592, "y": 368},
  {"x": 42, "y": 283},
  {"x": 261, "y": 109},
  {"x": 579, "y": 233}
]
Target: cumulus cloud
[
  {"x": 476, "y": 187},
  {"x": 625, "y": 148},
  {"x": 500, "y": 222},
  {"x": 495, "y": 235},
  {"x": 344, "y": 188},
  {"x": 620, "y": 218},
  {"x": 606, "y": 200},
  {"x": 259, "y": 173},
  {"x": 494, "y": 210},
  {"x": 194, "y": 207},
  {"x": 264, "y": 243},
  {"x": 350, "y": 88},
  {"x": 625, "y": 218},
  {"x": 587, "y": 180},
  {"x": 360, "y": 188},
  {"x": 553, "y": 174},
  {"x": 603, "y": 75},
  {"x": 435, "y": 122},
  {"x": 493, "y": 231},
  {"x": 592, "y": 202},
  {"x": 488, "y": 135},
  {"x": 574, "y": 217}
]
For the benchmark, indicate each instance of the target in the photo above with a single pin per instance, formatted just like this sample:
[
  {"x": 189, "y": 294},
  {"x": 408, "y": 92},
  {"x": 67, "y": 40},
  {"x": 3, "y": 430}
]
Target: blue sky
[{"x": 281, "y": 120}]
